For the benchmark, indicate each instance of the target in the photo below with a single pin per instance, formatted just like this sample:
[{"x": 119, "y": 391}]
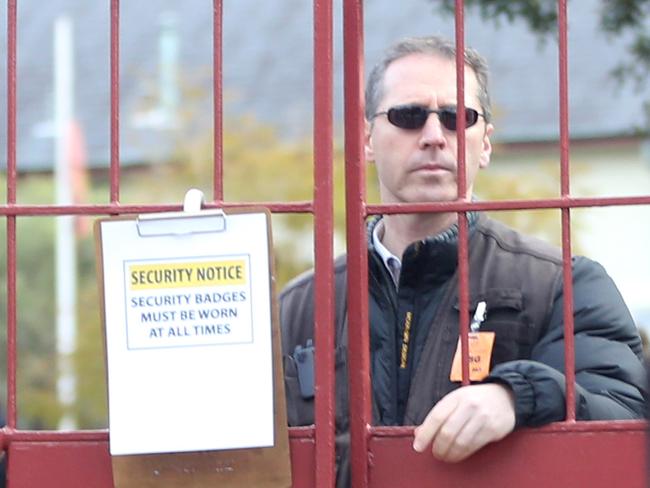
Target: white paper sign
[{"x": 188, "y": 334}]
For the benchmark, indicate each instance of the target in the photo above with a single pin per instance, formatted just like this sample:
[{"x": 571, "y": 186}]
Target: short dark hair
[{"x": 434, "y": 45}]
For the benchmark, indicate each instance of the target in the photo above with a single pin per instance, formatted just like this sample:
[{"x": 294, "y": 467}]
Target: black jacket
[{"x": 520, "y": 279}]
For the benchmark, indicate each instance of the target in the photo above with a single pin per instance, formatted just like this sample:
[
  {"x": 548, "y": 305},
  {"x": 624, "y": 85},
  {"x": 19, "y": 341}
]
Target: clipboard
[{"x": 192, "y": 349}]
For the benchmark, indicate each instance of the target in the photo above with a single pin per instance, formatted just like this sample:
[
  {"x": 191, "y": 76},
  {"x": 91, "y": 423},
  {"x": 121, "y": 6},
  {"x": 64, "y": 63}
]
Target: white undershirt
[{"x": 393, "y": 263}]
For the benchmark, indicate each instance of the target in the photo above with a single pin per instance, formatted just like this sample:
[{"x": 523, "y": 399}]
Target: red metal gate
[{"x": 569, "y": 453}]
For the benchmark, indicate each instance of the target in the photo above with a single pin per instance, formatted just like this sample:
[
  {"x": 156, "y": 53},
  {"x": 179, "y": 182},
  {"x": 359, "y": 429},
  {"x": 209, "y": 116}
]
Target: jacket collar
[
  {"x": 449, "y": 236},
  {"x": 436, "y": 256}
]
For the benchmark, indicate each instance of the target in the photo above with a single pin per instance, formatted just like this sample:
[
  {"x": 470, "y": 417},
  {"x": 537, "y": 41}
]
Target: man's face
[{"x": 420, "y": 165}]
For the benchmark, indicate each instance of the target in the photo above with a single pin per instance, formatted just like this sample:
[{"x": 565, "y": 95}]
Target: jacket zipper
[{"x": 436, "y": 347}]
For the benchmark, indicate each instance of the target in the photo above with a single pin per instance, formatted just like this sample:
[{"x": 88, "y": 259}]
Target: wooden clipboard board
[{"x": 250, "y": 466}]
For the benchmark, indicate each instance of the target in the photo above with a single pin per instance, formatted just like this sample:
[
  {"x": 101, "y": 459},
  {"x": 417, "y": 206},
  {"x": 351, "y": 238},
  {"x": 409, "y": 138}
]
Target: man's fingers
[
  {"x": 470, "y": 439},
  {"x": 447, "y": 436},
  {"x": 427, "y": 431}
]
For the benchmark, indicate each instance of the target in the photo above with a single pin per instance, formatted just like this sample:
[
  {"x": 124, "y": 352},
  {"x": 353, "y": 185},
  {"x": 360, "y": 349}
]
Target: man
[{"x": 413, "y": 285}]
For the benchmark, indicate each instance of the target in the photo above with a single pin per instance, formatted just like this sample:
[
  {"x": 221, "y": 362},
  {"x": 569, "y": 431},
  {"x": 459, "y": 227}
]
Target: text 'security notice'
[{"x": 198, "y": 302}]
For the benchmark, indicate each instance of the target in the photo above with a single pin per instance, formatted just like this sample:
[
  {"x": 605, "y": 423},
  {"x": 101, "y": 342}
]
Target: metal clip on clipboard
[{"x": 192, "y": 220}]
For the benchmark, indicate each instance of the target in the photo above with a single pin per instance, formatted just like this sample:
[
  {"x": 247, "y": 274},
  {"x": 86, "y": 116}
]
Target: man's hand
[{"x": 465, "y": 420}]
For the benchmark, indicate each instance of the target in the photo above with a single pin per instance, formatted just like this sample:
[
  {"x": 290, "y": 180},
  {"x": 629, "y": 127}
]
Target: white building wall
[{"x": 618, "y": 236}]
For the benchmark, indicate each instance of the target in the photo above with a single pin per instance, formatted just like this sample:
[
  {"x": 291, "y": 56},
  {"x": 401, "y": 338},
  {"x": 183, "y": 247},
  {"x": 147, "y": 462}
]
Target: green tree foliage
[
  {"x": 36, "y": 377},
  {"x": 619, "y": 18},
  {"x": 258, "y": 166}
]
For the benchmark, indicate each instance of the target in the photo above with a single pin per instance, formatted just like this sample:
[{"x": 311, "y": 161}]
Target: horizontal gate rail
[{"x": 99, "y": 209}]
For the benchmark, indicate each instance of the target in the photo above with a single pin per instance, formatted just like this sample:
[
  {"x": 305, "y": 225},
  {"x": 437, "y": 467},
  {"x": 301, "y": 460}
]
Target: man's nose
[{"x": 432, "y": 133}]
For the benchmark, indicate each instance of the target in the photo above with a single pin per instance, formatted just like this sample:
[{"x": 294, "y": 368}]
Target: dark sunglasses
[{"x": 415, "y": 116}]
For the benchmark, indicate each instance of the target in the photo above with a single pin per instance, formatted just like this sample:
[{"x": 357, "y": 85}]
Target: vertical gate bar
[
  {"x": 569, "y": 343},
  {"x": 463, "y": 260},
  {"x": 115, "y": 102},
  {"x": 217, "y": 99},
  {"x": 323, "y": 240},
  {"x": 12, "y": 15},
  {"x": 12, "y": 10},
  {"x": 355, "y": 193},
  {"x": 12, "y": 341}
]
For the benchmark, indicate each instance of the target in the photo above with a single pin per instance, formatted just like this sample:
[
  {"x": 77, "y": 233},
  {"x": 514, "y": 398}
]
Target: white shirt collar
[{"x": 392, "y": 263}]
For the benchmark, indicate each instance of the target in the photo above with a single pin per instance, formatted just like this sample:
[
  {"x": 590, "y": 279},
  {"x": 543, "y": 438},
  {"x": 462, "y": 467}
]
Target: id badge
[{"x": 480, "y": 355}]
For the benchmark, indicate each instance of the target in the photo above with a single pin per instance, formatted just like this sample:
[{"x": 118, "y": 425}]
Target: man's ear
[
  {"x": 367, "y": 142},
  {"x": 486, "y": 150}
]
